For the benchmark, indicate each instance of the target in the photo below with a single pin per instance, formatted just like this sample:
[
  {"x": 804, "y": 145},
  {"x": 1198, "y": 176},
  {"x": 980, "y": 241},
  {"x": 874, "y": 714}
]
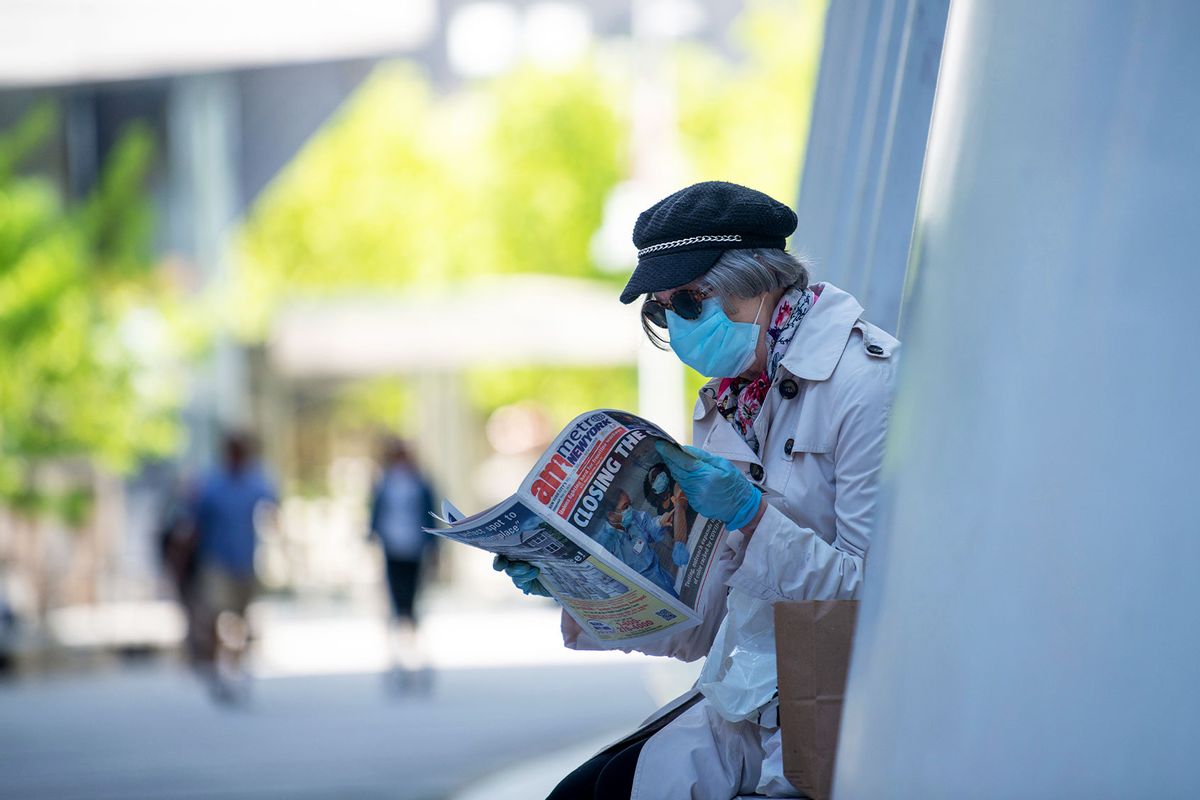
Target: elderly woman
[{"x": 789, "y": 434}]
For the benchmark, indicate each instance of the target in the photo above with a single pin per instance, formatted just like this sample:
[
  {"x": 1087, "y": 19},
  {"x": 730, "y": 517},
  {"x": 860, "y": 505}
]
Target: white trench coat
[{"x": 821, "y": 432}]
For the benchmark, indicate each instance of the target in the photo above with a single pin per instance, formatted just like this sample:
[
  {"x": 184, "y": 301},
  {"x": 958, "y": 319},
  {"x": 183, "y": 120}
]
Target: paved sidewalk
[
  {"x": 536, "y": 777},
  {"x": 314, "y": 729},
  {"x": 153, "y": 732}
]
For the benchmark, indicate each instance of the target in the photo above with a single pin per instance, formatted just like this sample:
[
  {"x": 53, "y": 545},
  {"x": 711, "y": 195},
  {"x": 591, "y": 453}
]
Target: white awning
[
  {"x": 73, "y": 41},
  {"x": 501, "y": 321}
]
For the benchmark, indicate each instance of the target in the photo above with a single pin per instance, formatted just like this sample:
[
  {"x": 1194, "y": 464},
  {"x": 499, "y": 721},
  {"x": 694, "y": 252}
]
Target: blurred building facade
[{"x": 230, "y": 93}]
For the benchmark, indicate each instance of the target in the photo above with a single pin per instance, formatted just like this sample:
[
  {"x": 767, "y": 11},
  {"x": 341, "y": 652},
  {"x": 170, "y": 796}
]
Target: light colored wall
[
  {"x": 862, "y": 168},
  {"x": 1029, "y": 619}
]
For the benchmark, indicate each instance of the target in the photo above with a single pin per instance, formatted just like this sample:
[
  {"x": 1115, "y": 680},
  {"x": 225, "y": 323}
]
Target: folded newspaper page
[{"x": 611, "y": 532}]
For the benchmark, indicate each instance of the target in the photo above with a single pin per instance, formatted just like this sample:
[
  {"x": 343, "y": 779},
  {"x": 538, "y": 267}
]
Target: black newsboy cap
[{"x": 680, "y": 237}]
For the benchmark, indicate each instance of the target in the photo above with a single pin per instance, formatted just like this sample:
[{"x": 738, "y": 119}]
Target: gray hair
[
  {"x": 746, "y": 273},
  {"x": 749, "y": 273}
]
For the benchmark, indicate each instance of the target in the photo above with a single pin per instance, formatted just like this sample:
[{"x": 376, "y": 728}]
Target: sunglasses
[{"x": 687, "y": 303}]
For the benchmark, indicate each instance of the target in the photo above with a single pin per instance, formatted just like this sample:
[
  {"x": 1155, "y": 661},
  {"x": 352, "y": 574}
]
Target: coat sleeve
[
  {"x": 785, "y": 561},
  {"x": 694, "y": 642}
]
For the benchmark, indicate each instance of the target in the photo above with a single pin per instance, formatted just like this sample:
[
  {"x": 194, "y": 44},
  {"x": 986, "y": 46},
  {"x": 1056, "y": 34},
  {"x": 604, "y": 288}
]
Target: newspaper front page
[{"x": 609, "y": 529}]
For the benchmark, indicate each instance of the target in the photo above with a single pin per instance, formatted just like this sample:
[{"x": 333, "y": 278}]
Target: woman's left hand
[
  {"x": 523, "y": 574},
  {"x": 713, "y": 485}
]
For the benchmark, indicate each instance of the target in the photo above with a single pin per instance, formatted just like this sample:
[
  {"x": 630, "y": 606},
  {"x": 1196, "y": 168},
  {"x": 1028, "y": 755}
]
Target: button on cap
[
  {"x": 788, "y": 389},
  {"x": 756, "y": 472}
]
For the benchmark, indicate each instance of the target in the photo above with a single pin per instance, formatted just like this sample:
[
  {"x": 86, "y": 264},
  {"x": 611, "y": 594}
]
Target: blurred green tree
[
  {"x": 511, "y": 175},
  {"x": 405, "y": 189},
  {"x": 71, "y": 390},
  {"x": 746, "y": 120}
]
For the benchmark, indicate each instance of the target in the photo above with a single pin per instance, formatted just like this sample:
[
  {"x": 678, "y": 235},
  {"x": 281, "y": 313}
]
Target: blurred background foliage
[
  {"x": 562, "y": 392},
  {"x": 746, "y": 120},
  {"x": 77, "y": 295},
  {"x": 406, "y": 186},
  {"x": 510, "y": 175}
]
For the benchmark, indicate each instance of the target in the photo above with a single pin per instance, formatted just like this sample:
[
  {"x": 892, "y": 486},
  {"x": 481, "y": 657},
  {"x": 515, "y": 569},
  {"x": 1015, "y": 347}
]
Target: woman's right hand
[
  {"x": 714, "y": 486},
  {"x": 524, "y": 575}
]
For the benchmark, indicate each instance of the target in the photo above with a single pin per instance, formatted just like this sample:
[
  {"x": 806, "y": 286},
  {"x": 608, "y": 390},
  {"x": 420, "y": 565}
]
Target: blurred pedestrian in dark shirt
[
  {"x": 177, "y": 547},
  {"x": 401, "y": 504}
]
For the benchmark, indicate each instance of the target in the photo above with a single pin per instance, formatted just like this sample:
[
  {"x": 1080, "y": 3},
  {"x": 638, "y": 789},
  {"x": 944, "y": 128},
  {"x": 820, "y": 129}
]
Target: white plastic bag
[
  {"x": 744, "y": 681},
  {"x": 772, "y": 782}
]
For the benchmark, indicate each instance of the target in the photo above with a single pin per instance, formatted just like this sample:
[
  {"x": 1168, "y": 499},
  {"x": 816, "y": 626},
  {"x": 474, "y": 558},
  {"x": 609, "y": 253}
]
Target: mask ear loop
[
  {"x": 760, "y": 308},
  {"x": 755, "y": 322}
]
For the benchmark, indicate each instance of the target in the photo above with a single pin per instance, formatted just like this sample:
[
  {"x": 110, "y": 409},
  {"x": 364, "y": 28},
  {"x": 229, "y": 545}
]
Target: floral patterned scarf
[{"x": 740, "y": 399}]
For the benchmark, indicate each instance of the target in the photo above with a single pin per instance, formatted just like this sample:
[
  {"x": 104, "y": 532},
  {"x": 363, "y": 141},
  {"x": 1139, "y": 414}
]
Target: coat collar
[{"x": 818, "y": 346}]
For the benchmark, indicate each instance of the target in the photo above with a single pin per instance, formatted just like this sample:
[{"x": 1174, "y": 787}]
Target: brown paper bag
[{"x": 812, "y": 649}]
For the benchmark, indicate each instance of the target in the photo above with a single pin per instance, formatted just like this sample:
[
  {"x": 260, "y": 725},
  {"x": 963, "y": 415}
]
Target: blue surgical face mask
[
  {"x": 713, "y": 344},
  {"x": 627, "y": 518},
  {"x": 660, "y": 483}
]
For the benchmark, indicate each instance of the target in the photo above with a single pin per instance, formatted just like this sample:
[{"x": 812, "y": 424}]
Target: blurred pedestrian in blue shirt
[
  {"x": 226, "y": 537},
  {"x": 225, "y": 511}
]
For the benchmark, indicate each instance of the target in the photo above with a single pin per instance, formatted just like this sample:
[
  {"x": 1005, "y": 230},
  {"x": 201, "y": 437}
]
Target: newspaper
[{"x": 609, "y": 529}]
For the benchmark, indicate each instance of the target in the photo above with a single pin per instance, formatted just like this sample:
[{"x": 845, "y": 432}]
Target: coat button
[
  {"x": 788, "y": 389},
  {"x": 874, "y": 349},
  {"x": 787, "y": 446},
  {"x": 756, "y": 472}
]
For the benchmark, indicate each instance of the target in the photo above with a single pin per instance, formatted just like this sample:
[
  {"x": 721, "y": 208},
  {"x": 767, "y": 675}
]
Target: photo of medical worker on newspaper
[{"x": 644, "y": 519}]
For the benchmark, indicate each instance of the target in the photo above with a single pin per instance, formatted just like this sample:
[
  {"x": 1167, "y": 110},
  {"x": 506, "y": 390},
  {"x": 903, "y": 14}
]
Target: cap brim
[{"x": 658, "y": 273}]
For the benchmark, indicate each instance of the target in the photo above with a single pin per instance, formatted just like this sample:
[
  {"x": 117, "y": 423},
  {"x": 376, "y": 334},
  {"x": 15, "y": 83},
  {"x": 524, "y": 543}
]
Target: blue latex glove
[
  {"x": 680, "y": 554},
  {"x": 523, "y": 574},
  {"x": 712, "y": 485}
]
